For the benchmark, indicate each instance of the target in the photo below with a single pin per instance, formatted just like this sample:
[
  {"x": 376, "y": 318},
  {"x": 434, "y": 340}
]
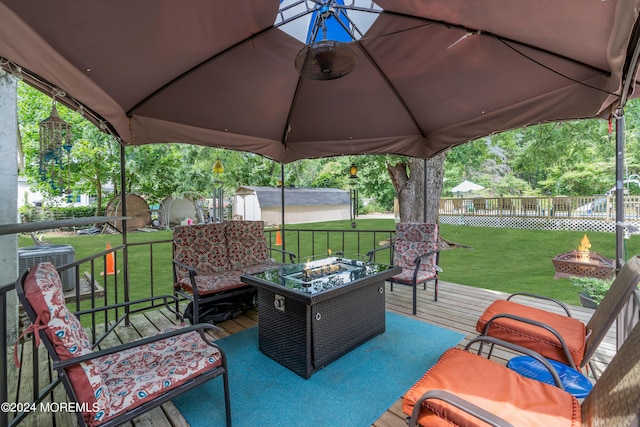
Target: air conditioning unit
[{"x": 59, "y": 255}]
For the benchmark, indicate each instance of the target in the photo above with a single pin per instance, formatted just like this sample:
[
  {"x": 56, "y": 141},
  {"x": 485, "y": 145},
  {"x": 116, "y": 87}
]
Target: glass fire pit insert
[
  {"x": 312, "y": 313},
  {"x": 321, "y": 275}
]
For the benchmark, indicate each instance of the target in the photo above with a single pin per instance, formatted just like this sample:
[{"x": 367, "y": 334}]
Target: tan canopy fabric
[{"x": 429, "y": 74}]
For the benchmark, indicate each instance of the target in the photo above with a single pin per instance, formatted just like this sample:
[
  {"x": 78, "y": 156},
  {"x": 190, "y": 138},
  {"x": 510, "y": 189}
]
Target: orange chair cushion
[
  {"x": 535, "y": 338},
  {"x": 521, "y": 401}
]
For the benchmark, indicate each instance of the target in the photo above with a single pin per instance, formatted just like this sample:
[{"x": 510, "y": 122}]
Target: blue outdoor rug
[{"x": 353, "y": 391}]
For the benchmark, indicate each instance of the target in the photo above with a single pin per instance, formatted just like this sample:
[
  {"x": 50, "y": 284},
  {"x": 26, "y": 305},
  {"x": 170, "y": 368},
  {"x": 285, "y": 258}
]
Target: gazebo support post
[
  {"x": 284, "y": 243},
  {"x": 125, "y": 250},
  {"x": 620, "y": 125}
]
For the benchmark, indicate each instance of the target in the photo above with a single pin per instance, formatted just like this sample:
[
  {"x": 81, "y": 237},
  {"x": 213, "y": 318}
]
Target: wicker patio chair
[
  {"x": 114, "y": 385},
  {"x": 465, "y": 389},
  {"x": 555, "y": 336},
  {"x": 415, "y": 249}
]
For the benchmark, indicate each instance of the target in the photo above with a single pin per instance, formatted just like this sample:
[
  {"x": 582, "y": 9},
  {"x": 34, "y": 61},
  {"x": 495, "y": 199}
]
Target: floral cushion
[
  {"x": 143, "y": 373},
  {"x": 413, "y": 240},
  {"x": 246, "y": 244},
  {"x": 43, "y": 290},
  {"x": 201, "y": 246},
  {"x": 211, "y": 284}
]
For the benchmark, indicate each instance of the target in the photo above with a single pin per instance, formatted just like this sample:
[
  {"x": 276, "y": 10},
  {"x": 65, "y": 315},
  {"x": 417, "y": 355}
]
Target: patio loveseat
[{"x": 208, "y": 260}]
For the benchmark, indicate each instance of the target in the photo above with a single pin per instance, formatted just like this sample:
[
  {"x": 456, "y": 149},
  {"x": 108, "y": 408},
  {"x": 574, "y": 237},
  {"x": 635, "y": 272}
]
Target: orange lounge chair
[
  {"x": 465, "y": 389},
  {"x": 555, "y": 336}
]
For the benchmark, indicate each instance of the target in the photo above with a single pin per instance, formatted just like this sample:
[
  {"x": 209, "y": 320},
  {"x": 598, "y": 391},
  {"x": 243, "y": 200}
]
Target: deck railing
[
  {"x": 154, "y": 277},
  {"x": 579, "y": 207},
  {"x": 316, "y": 243}
]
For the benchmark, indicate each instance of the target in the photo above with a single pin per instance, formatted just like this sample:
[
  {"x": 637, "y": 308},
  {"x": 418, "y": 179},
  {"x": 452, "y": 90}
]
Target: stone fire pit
[{"x": 575, "y": 263}]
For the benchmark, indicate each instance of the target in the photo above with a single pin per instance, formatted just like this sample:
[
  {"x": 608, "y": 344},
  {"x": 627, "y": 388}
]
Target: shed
[{"x": 301, "y": 204}]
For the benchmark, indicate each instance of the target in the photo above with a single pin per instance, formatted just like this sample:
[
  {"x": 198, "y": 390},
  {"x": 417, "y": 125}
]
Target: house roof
[{"x": 272, "y": 196}]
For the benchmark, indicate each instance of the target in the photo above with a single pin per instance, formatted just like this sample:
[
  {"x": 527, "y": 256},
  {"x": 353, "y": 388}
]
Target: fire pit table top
[{"x": 322, "y": 275}]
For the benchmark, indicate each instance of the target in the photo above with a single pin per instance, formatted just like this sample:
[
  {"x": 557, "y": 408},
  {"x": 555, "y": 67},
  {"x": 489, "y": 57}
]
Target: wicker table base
[{"x": 306, "y": 334}]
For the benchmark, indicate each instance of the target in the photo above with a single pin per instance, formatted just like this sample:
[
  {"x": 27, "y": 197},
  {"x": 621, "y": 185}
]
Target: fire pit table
[{"x": 315, "y": 312}]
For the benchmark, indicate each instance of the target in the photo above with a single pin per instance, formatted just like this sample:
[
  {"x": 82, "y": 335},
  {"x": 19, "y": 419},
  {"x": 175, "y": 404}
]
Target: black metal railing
[
  {"x": 316, "y": 243},
  {"x": 153, "y": 276}
]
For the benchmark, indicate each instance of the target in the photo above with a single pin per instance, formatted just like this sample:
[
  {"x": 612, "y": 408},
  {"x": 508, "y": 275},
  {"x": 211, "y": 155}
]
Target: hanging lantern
[
  {"x": 217, "y": 167},
  {"x": 55, "y": 148},
  {"x": 353, "y": 171}
]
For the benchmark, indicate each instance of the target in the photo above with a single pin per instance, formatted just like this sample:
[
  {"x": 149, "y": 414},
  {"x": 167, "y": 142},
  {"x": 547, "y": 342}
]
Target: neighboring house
[
  {"x": 28, "y": 196},
  {"x": 301, "y": 204}
]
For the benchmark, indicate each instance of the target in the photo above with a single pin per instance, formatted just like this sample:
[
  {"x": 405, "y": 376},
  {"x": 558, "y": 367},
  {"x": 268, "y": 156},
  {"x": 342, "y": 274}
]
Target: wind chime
[
  {"x": 55, "y": 151},
  {"x": 353, "y": 193}
]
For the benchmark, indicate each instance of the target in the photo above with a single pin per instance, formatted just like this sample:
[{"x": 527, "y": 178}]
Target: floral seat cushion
[
  {"x": 413, "y": 240},
  {"x": 120, "y": 381},
  {"x": 406, "y": 276},
  {"x": 214, "y": 283},
  {"x": 43, "y": 290},
  {"x": 137, "y": 375}
]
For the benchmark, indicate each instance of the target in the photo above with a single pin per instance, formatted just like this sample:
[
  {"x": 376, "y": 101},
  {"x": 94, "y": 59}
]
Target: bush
[
  {"x": 48, "y": 213},
  {"x": 72, "y": 211},
  {"x": 592, "y": 287}
]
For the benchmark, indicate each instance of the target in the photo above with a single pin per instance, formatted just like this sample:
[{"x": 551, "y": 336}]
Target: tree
[
  {"x": 93, "y": 159},
  {"x": 408, "y": 178}
]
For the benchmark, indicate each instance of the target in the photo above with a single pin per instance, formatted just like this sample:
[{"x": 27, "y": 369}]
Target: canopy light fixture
[
  {"x": 353, "y": 171},
  {"x": 325, "y": 59}
]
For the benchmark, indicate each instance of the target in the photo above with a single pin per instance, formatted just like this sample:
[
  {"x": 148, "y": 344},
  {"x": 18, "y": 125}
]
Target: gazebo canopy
[{"x": 429, "y": 74}]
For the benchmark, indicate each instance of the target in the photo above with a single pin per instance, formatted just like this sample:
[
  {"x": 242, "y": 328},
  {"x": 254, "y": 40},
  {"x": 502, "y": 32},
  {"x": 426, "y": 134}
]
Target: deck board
[{"x": 458, "y": 308}]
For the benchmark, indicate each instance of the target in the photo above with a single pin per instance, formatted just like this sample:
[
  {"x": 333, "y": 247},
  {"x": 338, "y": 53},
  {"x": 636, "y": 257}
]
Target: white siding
[
  {"x": 303, "y": 214},
  {"x": 247, "y": 206}
]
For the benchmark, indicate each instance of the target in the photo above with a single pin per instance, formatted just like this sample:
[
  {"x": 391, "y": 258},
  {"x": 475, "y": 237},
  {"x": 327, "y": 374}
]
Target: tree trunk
[
  {"x": 98, "y": 197},
  {"x": 408, "y": 178}
]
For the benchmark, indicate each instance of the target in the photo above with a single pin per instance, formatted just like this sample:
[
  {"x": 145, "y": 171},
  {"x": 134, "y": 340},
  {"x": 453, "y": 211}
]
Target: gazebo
[{"x": 418, "y": 78}]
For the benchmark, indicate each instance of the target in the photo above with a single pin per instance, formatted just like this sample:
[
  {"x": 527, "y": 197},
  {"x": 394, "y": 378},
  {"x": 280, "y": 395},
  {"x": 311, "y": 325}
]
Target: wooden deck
[{"x": 458, "y": 308}]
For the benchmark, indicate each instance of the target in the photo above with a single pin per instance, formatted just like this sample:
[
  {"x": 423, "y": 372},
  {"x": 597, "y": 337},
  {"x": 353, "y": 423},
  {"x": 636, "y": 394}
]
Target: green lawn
[{"x": 507, "y": 260}]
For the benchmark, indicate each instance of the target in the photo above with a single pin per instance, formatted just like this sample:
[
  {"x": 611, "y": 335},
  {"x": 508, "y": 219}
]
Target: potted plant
[{"x": 592, "y": 290}]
